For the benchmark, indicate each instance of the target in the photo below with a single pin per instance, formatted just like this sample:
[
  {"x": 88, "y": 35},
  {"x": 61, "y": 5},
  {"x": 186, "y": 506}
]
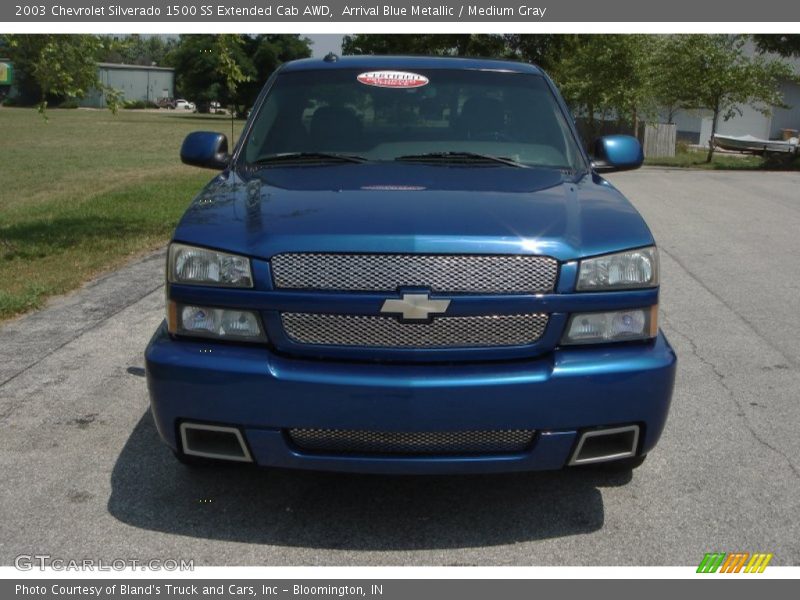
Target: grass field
[{"x": 85, "y": 191}]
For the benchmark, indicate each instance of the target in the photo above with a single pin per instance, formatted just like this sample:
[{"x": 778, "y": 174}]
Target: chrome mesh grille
[
  {"x": 411, "y": 443},
  {"x": 437, "y": 272},
  {"x": 388, "y": 332}
]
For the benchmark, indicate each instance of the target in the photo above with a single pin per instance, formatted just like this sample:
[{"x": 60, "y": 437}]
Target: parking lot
[{"x": 85, "y": 476}]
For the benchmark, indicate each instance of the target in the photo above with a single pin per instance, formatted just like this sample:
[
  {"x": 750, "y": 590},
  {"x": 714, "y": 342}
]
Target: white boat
[{"x": 749, "y": 143}]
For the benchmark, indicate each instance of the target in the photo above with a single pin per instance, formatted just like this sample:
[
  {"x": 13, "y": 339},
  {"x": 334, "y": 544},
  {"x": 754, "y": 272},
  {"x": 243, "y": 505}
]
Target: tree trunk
[
  {"x": 713, "y": 133},
  {"x": 42, "y": 108}
]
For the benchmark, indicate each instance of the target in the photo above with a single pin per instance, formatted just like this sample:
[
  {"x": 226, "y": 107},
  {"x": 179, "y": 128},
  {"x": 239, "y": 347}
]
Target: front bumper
[{"x": 265, "y": 394}]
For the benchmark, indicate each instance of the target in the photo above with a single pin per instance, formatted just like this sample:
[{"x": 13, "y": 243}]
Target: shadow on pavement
[{"x": 151, "y": 490}]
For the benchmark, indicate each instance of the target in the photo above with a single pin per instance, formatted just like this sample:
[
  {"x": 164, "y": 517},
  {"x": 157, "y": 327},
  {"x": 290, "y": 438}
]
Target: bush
[
  {"x": 138, "y": 104},
  {"x": 69, "y": 103},
  {"x": 10, "y": 102},
  {"x": 133, "y": 104}
]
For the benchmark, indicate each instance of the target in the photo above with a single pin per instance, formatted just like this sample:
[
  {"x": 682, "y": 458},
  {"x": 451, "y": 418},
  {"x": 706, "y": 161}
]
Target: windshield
[{"x": 425, "y": 115}]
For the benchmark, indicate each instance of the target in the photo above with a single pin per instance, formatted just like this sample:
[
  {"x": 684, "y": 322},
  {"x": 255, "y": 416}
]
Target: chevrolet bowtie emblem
[{"x": 415, "y": 306}]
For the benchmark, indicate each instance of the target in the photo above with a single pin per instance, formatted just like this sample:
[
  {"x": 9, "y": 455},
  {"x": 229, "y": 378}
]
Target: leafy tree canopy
[
  {"x": 428, "y": 44},
  {"x": 539, "y": 49},
  {"x": 54, "y": 65},
  {"x": 206, "y": 65},
  {"x": 786, "y": 44},
  {"x": 137, "y": 49},
  {"x": 606, "y": 75},
  {"x": 716, "y": 74}
]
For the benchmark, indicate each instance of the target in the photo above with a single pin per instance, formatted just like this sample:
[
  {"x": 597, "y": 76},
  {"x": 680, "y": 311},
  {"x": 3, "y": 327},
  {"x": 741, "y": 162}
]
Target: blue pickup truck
[{"x": 411, "y": 265}]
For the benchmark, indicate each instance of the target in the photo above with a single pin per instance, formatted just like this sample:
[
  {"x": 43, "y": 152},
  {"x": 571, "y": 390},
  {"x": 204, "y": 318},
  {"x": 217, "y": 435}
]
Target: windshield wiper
[
  {"x": 462, "y": 157},
  {"x": 304, "y": 157}
]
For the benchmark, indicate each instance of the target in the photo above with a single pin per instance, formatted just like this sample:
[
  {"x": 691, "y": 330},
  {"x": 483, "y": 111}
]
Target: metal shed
[{"x": 136, "y": 82}]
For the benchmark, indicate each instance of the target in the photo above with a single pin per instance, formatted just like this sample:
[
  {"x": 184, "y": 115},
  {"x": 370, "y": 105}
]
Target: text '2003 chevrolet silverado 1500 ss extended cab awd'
[{"x": 411, "y": 265}]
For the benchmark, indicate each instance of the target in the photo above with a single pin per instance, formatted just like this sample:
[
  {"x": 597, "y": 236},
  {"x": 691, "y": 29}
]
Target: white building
[{"x": 695, "y": 126}]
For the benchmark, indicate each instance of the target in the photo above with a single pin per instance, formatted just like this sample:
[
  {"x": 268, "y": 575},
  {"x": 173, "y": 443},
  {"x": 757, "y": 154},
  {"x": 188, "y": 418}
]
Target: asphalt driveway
[{"x": 83, "y": 474}]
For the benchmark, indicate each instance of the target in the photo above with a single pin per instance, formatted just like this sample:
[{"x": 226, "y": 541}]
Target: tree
[
  {"x": 724, "y": 78},
  {"x": 268, "y": 52},
  {"x": 136, "y": 49},
  {"x": 606, "y": 75},
  {"x": 197, "y": 68},
  {"x": 429, "y": 44},
  {"x": 541, "y": 49},
  {"x": 228, "y": 48},
  {"x": 204, "y": 65},
  {"x": 786, "y": 44},
  {"x": 666, "y": 85},
  {"x": 55, "y": 65}
]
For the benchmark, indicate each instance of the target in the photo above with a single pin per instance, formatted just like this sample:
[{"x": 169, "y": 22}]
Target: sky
[{"x": 324, "y": 43}]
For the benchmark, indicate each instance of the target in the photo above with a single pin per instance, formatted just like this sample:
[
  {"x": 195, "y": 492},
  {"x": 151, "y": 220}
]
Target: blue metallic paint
[
  {"x": 620, "y": 152},
  {"x": 271, "y": 303},
  {"x": 205, "y": 149},
  {"x": 484, "y": 210},
  {"x": 264, "y": 392}
]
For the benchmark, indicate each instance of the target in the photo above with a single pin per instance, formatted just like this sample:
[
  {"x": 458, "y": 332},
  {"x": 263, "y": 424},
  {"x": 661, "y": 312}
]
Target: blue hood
[{"x": 412, "y": 208}]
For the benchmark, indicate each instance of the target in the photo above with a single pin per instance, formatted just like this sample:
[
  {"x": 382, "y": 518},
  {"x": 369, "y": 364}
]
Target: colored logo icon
[{"x": 734, "y": 562}]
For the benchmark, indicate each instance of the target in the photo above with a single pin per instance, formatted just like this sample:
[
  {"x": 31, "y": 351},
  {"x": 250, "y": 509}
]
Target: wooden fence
[{"x": 659, "y": 140}]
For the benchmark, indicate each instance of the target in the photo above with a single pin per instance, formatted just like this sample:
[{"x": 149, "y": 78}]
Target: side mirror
[
  {"x": 617, "y": 153},
  {"x": 206, "y": 149}
]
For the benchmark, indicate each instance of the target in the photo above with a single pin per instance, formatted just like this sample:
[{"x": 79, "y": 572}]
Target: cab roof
[{"x": 410, "y": 62}]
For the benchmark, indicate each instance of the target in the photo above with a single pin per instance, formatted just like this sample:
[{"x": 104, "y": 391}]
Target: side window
[{"x": 263, "y": 125}]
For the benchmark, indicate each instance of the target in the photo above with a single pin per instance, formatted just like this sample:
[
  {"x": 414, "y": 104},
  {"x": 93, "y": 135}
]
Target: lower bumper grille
[
  {"x": 412, "y": 443},
  {"x": 388, "y": 332}
]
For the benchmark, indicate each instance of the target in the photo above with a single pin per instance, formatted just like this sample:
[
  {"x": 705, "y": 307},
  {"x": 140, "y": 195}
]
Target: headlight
[
  {"x": 219, "y": 323},
  {"x": 619, "y": 271},
  {"x": 617, "y": 326},
  {"x": 200, "y": 266}
]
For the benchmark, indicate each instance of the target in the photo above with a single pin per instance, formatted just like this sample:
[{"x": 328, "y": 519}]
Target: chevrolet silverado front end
[{"x": 411, "y": 265}]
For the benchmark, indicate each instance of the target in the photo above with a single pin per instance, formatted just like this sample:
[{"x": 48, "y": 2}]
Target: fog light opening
[
  {"x": 602, "y": 445},
  {"x": 214, "y": 441}
]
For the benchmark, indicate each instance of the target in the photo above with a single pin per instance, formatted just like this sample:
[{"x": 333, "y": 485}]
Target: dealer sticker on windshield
[{"x": 393, "y": 79}]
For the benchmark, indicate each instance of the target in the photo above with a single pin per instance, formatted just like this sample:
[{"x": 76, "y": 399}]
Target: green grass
[
  {"x": 732, "y": 162},
  {"x": 85, "y": 192}
]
